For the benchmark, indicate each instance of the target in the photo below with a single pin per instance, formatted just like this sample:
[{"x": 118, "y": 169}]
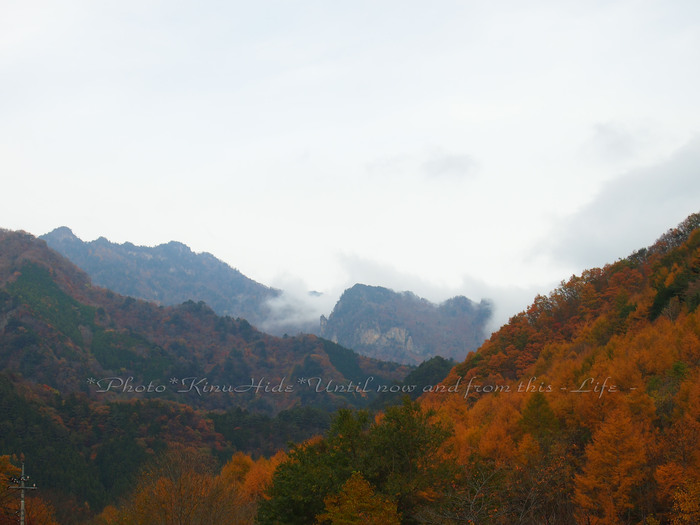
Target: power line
[{"x": 22, "y": 487}]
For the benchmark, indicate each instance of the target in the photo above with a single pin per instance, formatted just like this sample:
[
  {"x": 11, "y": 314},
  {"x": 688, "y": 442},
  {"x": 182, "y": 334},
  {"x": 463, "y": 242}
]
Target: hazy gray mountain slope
[{"x": 168, "y": 274}]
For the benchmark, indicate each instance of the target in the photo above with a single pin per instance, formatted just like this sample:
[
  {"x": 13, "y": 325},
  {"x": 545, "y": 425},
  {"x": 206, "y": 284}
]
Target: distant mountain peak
[
  {"x": 170, "y": 274},
  {"x": 63, "y": 234},
  {"x": 403, "y": 327}
]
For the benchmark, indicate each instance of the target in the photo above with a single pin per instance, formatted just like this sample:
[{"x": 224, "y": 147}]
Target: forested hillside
[
  {"x": 585, "y": 408},
  {"x": 60, "y": 331},
  {"x": 94, "y": 384},
  {"x": 582, "y": 409}
]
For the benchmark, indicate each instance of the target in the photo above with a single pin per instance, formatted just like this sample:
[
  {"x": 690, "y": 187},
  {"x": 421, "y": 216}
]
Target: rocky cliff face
[{"x": 403, "y": 327}]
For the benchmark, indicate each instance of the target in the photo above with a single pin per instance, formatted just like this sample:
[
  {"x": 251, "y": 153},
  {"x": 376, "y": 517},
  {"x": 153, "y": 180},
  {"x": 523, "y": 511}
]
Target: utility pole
[{"x": 21, "y": 486}]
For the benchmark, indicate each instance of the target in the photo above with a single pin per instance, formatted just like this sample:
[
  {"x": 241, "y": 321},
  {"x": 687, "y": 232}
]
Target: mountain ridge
[
  {"x": 56, "y": 327},
  {"x": 583, "y": 408},
  {"x": 170, "y": 273},
  {"x": 387, "y": 325}
]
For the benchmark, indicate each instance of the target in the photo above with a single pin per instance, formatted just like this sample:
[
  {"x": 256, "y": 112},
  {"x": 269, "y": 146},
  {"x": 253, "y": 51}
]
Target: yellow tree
[
  {"x": 39, "y": 512},
  {"x": 259, "y": 476},
  {"x": 244, "y": 482},
  {"x": 615, "y": 469},
  {"x": 686, "y": 504},
  {"x": 178, "y": 489},
  {"x": 235, "y": 470},
  {"x": 357, "y": 504}
]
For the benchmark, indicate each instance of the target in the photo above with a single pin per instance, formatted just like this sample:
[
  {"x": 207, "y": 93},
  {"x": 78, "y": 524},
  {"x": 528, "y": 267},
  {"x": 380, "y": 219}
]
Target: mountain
[
  {"x": 93, "y": 384},
  {"x": 59, "y": 330},
  {"x": 373, "y": 321},
  {"x": 403, "y": 327},
  {"x": 168, "y": 274},
  {"x": 584, "y": 408}
]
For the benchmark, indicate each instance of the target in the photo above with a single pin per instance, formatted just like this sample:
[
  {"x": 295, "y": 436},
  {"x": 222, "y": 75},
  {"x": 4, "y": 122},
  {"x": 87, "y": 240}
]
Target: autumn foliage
[
  {"x": 583, "y": 409},
  {"x": 598, "y": 419},
  {"x": 182, "y": 487},
  {"x": 357, "y": 503}
]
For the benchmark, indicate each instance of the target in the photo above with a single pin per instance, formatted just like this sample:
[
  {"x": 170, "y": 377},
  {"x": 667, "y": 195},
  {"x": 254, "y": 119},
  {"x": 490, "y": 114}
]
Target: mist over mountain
[
  {"x": 57, "y": 329},
  {"x": 596, "y": 383},
  {"x": 374, "y": 321},
  {"x": 94, "y": 384},
  {"x": 583, "y": 408}
]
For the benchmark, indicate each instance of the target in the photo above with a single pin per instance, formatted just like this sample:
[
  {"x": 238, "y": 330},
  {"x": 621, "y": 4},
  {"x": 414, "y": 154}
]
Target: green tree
[
  {"x": 315, "y": 470},
  {"x": 538, "y": 419},
  {"x": 400, "y": 455},
  {"x": 405, "y": 458}
]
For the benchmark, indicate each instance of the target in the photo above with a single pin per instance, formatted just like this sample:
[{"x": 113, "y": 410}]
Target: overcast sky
[{"x": 490, "y": 149}]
